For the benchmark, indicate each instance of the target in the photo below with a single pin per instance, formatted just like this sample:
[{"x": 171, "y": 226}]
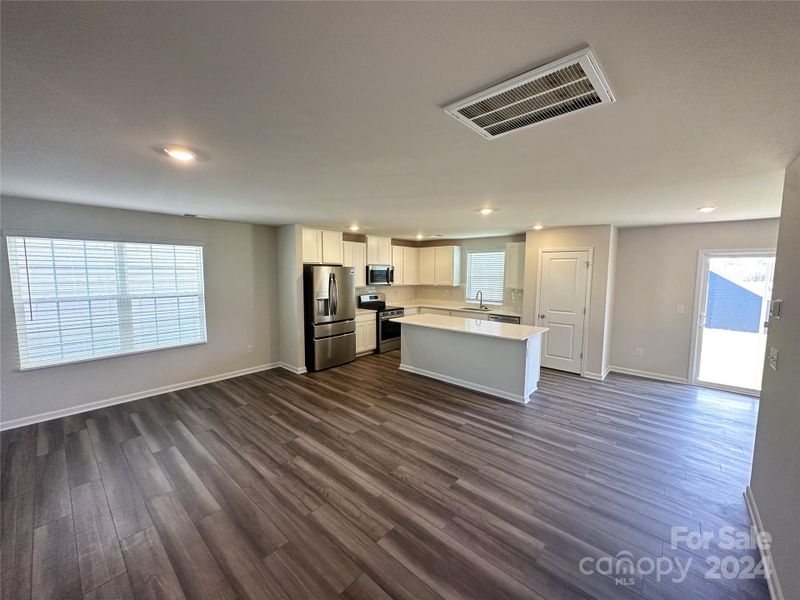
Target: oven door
[{"x": 388, "y": 334}]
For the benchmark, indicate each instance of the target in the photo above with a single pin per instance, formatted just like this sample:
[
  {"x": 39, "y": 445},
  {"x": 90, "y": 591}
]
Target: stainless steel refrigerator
[{"x": 330, "y": 312}]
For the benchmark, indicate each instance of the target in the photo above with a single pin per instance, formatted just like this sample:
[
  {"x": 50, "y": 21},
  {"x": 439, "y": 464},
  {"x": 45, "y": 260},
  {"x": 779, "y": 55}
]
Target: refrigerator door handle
[
  {"x": 335, "y": 299},
  {"x": 330, "y": 295}
]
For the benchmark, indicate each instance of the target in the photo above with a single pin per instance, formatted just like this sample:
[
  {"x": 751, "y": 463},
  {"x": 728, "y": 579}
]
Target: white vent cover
[{"x": 559, "y": 88}]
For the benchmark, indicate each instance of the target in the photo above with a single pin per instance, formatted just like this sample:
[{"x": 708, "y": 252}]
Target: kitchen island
[{"x": 501, "y": 359}]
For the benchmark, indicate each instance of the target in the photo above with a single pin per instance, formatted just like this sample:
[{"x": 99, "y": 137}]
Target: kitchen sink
[{"x": 475, "y": 308}]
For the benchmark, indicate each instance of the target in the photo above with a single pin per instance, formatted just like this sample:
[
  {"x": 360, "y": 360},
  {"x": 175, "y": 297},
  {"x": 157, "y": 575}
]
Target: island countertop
[{"x": 508, "y": 331}]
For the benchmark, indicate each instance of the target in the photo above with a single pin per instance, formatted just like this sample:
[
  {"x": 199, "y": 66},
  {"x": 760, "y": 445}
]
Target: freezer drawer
[
  {"x": 331, "y": 351},
  {"x": 329, "y": 329}
]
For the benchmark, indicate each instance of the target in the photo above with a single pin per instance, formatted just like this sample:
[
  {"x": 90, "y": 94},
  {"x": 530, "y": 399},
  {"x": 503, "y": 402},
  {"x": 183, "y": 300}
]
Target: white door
[{"x": 561, "y": 306}]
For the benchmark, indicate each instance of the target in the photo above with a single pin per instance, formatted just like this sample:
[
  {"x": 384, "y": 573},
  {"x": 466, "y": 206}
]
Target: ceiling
[{"x": 331, "y": 113}]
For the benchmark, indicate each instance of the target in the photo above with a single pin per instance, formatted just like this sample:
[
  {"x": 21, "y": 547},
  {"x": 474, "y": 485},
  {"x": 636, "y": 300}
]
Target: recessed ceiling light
[
  {"x": 180, "y": 153},
  {"x": 354, "y": 227},
  {"x": 486, "y": 211},
  {"x": 707, "y": 209},
  {"x": 420, "y": 236},
  {"x": 538, "y": 227}
]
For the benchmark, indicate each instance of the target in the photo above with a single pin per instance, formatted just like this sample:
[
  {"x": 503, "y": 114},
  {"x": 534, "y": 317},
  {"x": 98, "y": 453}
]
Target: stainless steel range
[{"x": 388, "y": 331}]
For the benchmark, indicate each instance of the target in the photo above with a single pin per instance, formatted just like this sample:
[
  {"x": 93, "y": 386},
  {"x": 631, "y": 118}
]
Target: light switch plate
[{"x": 773, "y": 358}]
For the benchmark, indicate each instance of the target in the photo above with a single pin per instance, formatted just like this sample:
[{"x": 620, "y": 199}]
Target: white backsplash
[{"x": 408, "y": 293}]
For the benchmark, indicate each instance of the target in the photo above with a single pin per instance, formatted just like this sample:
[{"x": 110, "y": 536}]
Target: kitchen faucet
[{"x": 479, "y": 298}]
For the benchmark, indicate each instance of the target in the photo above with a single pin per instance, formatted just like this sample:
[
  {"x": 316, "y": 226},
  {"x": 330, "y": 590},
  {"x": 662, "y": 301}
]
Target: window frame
[
  {"x": 473, "y": 300},
  {"x": 15, "y": 233}
]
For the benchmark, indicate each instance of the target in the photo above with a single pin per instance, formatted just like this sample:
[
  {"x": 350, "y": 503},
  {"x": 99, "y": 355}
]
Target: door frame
[
  {"x": 587, "y": 298},
  {"x": 700, "y": 299}
]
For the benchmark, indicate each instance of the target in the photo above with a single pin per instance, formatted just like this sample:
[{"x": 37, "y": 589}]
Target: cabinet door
[
  {"x": 360, "y": 337},
  {"x": 360, "y": 254},
  {"x": 370, "y": 335},
  {"x": 349, "y": 254},
  {"x": 397, "y": 263},
  {"x": 332, "y": 247},
  {"x": 426, "y": 266},
  {"x": 385, "y": 251},
  {"x": 312, "y": 246},
  {"x": 443, "y": 265},
  {"x": 410, "y": 266},
  {"x": 372, "y": 250},
  {"x": 515, "y": 265}
]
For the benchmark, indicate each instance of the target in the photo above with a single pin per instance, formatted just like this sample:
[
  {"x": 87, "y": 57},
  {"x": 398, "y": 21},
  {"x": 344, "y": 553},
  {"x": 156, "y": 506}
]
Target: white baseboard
[
  {"x": 467, "y": 384},
  {"x": 648, "y": 374},
  {"x": 775, "y": 592},
  {"x": 72, "y": 410},
  {"x": 597, "y": 376},
  {"x": 292, "y": 368}
]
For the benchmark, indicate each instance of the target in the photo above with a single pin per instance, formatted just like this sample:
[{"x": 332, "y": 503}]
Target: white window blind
[
  {"x": 485, "y": 273},
  {"x": 78, "y": 300}
]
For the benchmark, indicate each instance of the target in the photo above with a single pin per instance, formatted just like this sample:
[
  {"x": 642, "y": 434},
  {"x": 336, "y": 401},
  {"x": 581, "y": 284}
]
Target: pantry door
[{"x": 561, "y": 306}]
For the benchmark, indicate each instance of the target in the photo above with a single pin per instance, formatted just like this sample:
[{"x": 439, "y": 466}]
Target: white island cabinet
[{"x": 501, "y": 359}]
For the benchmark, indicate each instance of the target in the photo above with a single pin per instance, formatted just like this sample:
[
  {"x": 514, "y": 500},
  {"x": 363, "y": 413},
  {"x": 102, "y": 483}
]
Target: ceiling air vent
[{"x": 559, "y": 88}]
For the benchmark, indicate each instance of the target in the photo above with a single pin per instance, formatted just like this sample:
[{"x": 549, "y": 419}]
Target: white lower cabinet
[{"x": 366, "y": 332}]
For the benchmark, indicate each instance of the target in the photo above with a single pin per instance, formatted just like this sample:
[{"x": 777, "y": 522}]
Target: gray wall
[
  {"x": 599, "y": 237},
  {"x": 657, "y": 271},
  {"x": 775, "y": 481},
  {"x": 241, "y": 307}
]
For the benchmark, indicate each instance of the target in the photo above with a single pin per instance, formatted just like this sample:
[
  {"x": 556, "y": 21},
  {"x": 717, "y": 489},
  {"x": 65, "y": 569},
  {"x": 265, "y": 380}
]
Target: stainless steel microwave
[{"x": 380, "y": 274}]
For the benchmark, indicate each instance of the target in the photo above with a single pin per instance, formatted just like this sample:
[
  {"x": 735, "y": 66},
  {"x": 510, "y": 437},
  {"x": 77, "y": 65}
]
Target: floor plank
[{"x": 55, "y": 572}]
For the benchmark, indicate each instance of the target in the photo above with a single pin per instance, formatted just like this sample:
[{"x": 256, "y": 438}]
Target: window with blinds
[
  {"x": 77, "y": 300},
  {"x": 486, "y": 273}
]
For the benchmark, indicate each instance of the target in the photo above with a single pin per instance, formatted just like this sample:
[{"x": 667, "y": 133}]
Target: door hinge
[
  {"x": 584, "y": 310},
  {"x": 581, "y": 354},
  {"x": 588, "y": 264}
]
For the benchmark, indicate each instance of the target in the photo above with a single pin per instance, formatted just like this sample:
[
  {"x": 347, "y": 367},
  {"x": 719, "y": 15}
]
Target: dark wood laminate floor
[{"x": 366, "y": 482}]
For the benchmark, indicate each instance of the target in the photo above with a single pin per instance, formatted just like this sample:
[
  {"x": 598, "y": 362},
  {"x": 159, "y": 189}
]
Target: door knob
[{"x": 541, "y": 316}]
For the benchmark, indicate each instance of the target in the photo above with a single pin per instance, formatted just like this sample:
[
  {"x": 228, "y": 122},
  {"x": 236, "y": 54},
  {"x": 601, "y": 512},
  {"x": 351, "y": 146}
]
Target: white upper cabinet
[
  {"x": 397, "y": 263},
  {"x": 379, "y": 250},
  {"x": 332, "y": 247},
  {"x": 312, "y": 245},
  {"x": 355, "y": 255},
  {"x": 447, "y": 265},
  {"x": 410, "y": 266},
  {"x": 426, "y": 266},
  {"x": 515, "y": 265},
  {"x": 322, "y": 246}
]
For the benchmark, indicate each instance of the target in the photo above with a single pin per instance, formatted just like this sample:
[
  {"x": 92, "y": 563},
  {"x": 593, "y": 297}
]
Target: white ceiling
[{"x": 330, "y": 113}]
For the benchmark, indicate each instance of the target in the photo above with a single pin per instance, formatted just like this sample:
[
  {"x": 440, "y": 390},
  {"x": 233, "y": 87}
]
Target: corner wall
[
  {"x": 775, "y": 481},
  {"x": 241, "y": 309},
  {"x": 656, "y": 272},
  {"x": 290, "y": 297}
]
